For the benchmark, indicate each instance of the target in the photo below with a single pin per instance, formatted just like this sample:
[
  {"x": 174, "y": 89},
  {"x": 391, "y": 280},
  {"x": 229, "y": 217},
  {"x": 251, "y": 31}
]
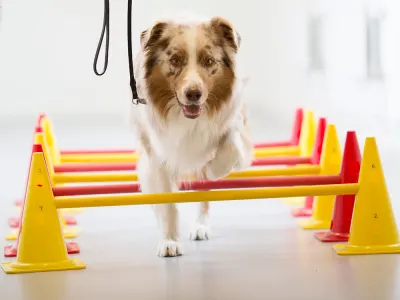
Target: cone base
[
  {"x": 314, "y": 224},
  {"x": 72, "y": 210},
  {"x": 18, "y": 268},
  {"x": 293, "y": 201},
  {"x": 301, "y": 212},
  {"x": 69, "y": 233},
  {"x": 345, "y": 249},
  {"x": 330, "y": 237},
  {"x": 11, "y": 251}
]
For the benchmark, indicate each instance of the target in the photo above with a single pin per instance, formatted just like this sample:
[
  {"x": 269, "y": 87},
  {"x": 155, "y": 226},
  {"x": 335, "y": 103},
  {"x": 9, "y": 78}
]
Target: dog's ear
[
  {"x": 152, "y": 35},
  {"x": 224, "y": 29}
]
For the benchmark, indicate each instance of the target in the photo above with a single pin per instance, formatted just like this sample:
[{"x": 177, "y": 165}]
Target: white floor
[{"x": 256, "y": 251}]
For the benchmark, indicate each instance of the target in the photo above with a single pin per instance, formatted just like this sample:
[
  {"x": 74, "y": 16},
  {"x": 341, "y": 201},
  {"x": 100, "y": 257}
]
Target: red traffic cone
[
  {"x": 40, "y": 118},
  {"x": 296, "y": 130},
  {"x": 306, "y": 210},
  {"x": 344, "y": 204}
]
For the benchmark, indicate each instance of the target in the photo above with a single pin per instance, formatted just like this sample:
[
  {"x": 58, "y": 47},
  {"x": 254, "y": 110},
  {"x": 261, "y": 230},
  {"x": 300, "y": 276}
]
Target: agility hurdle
[
  {"x": 341, "y": 215},
  {"x": 81, "y": 177},
  {"x": 308, "y": 123},
  {"x": 315, "y": 150},
  {"x": 249, "y": 182},
  {"x": 193, "y": 185},
  {"x": 314, "y": 159},
  {"x": 268, "y": 161},
  {"x": 304, "y": 141},
  {"x": 322, "y": 207},
  {"x": 293, "y": 141},
  {"x": 10, "y": 251},
  {"x": 63, "y": 178},
  {"x": 330, "y": 164},
  {"x": 41, "y": 246}
]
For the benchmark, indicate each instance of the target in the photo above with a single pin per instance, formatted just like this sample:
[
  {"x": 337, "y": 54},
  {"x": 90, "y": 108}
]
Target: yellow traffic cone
[
  {"x": 41, "y": 246},
  {"x": 373, "y": 227},
  {"x": 49, "y": 138},
  {"x": 305, "y": 148},
  {"x": 322, "y": 209},
  {"x": 54, "y": 152},
  {"x": 43, "y": 139},
  {"x": 307, "y": 138},
  {"x": 69, "y": 232}
]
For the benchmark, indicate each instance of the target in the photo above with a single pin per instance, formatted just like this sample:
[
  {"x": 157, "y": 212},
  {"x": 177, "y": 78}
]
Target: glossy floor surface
[{"x": 256, "y": 250}]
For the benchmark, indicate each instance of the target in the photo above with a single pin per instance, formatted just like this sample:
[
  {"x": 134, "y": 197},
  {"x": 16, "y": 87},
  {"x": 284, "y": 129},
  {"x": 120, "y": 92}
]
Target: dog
[{"x": 194, "y": 124}]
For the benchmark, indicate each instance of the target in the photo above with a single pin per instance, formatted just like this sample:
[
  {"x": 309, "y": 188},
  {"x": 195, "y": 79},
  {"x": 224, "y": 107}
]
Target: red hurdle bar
[{"x": 202, "y": 185}]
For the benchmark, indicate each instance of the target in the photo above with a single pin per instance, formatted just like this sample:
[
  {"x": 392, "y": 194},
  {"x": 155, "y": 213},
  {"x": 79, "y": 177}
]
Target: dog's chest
[{"x": 188, "y": 146}]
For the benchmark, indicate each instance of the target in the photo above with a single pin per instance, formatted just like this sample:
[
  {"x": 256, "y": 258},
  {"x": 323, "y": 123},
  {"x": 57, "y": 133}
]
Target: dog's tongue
[{"x": 192, "y": 110}]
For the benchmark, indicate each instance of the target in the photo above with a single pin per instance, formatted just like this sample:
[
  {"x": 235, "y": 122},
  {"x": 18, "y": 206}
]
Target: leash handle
[
  {"x": 105, "y": 31},
  {"x": 130, "y": 59}
]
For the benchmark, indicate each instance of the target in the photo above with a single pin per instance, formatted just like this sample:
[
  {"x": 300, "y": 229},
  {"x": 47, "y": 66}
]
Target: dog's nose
[{"x": 193, "y": 95}]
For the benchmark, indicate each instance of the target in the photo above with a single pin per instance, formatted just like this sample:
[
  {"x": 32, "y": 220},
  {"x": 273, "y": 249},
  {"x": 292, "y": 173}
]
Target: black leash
[{"x": 106, "y": 30}]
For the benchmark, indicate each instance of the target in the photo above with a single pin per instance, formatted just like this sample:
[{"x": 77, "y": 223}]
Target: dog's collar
[{"x": 137, "y": 101}]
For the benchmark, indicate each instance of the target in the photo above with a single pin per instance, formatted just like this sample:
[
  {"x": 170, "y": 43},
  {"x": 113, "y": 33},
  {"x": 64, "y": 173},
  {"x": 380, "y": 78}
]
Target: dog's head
[{"x": 190, "y": 65}]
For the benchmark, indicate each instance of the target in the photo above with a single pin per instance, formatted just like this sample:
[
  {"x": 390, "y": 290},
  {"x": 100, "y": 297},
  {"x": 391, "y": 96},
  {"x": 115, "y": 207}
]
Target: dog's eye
[
  {"x": 210, "y": 61},
  {"x": 175, "y": 61}
]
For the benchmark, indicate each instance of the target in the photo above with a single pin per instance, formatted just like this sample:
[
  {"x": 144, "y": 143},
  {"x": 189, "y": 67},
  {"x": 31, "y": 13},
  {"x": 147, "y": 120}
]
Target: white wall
[
  {"x": 344, "y": 92},
  {"x": 47, "y": 49}
]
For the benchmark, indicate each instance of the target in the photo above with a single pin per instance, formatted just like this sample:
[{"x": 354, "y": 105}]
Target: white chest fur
[{"x": 183, "y": 144}]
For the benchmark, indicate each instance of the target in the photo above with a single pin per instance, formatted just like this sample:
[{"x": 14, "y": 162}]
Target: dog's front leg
[
  {"x": 234, "y": 152},
  {"x": 201, "y": 228},
  {"x": 155, "y": 178}
]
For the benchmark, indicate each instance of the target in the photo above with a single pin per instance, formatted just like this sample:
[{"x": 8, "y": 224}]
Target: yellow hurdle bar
[
  {"x": 62, "y": 178},
  {"x": 277, "y": 151},
  {"x": 100, "y": 158},
  {"x": 221, "y": 195},
  {"x": 133, "y": 157}
]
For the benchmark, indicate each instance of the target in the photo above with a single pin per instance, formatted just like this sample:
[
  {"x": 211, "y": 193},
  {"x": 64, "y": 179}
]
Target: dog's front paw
[
  {"x": 200, "y": 232},
  {"x": 217, "y": 169},
  {"x": 169, "y": 248},
  {"x": 244, "y": 161},
  {"x": 222, "y": 164}
]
